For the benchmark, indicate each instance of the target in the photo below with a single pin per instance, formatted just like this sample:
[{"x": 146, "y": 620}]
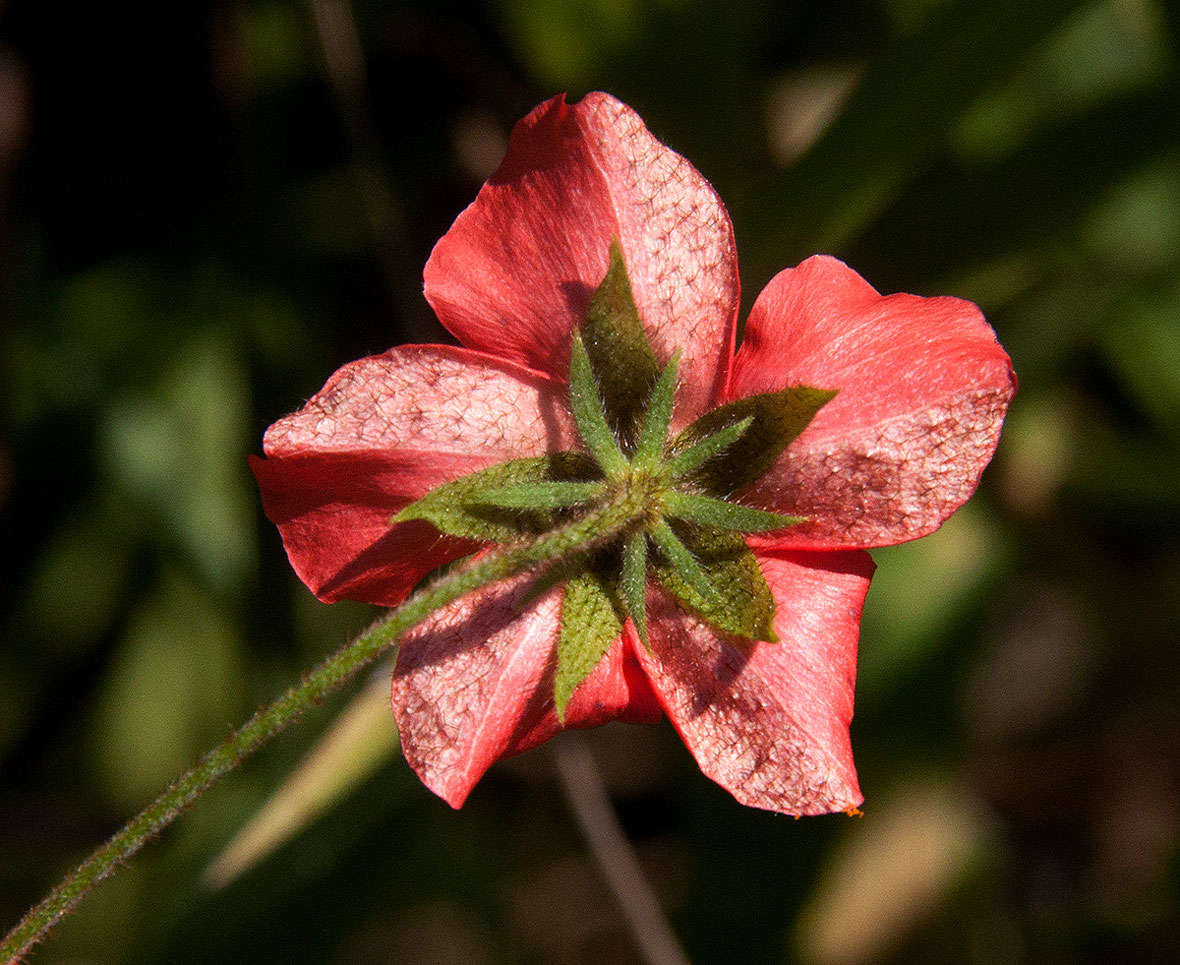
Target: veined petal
[
  {"x": 437, "y": 398},
  {"x": 474, "y": 683},
  {"x": 382, "y": 432},
  {"x": 333, "y": 515},
  {"x": 769, "y": 721},
  {"x": 923, "y": 388},
  {"x": 516, "y": 271},
  {"x": 617, "y": 689}
]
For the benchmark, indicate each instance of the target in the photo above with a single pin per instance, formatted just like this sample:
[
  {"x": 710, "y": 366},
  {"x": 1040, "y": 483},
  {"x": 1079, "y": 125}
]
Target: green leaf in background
[
  {"x": 568, "y": 42},
  {"x": 1104, "y": 51},
  {"x": 360, "y": 740},
  {"x": 921, "y": 592},
  {"x": 175, "y": 449},
  {"x": 1146, "y": 354},
  {"x": 590, "y": 623},
  {"x": 1029, "y": 197},
  {"x": 174, "y": 681},
  {"x": 78, "y": 580}
]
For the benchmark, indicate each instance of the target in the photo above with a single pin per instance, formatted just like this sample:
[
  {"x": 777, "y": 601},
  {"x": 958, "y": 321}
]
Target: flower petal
[
  {"x": 617, "y": 689},
  {"x": 516, "y": 271},
  {"x": 923, "y": 389},
  {"x": 474, "y": 683},
  {"x": 769, "y": 721},
  {"x": 381, "y": 433}
]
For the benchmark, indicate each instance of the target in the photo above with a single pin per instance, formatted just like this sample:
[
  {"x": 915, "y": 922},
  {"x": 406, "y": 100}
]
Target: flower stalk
[{"x": 585, "y": 534}]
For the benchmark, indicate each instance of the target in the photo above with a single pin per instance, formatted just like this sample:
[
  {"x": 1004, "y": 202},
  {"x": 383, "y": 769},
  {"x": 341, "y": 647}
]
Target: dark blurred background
[{"x": 205, "y": 208}]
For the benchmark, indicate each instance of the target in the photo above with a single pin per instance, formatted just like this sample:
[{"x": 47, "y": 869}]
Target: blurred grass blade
[
  {"x": 897, "y": 868},
  {"x": 1038, "y": 192},
  {"x": 905, "y": 103},
  {"x": 362, "y": 738}
]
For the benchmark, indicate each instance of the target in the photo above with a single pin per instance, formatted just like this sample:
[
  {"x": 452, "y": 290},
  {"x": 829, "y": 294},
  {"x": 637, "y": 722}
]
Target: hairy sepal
[
  {"x": 591, "y": 621},
  {"x": 653, "y": 433},
  {"x": 459, "y": 508},
  {"x": 590, "y": 415},
  {"x": 621, "y": 357},
  {"x": 742, "y": 603},
  {"x": 541, "y": 495},
  {"x": 777, "y": 419},
  {"x": 719, "y": 514}
]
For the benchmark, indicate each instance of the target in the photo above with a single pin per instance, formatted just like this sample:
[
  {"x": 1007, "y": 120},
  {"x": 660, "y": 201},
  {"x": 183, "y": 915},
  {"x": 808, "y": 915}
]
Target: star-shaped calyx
[{"x": 638, "y": 504}]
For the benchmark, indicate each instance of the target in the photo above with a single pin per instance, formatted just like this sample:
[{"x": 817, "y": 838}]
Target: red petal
[
  {"x": 617, "y": 689},
  {"x": 382, "y": 432},
  {"x": 923, "y": 389},
  {"x": 769, "y": 721},
  {"x": 514, "y": 274},
  {"x": 474, "y": 683}
]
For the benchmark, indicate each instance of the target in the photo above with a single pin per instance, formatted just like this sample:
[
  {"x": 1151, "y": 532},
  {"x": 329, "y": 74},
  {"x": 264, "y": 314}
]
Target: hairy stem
[{"x": 581, "y": 535}]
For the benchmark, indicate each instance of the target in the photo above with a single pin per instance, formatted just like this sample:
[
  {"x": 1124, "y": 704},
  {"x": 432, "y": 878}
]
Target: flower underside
[{"x": 645, "y": 505}]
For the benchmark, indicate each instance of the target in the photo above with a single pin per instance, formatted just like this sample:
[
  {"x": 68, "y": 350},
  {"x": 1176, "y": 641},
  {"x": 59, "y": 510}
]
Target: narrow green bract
[
  {"x": 633, "y": 584},
  {"x": 587, "y": 405},
  {"x": 706, "y": 511},
  {"x": 687, "y": 460},
  {"x": 778, "y": 418},
  {"x": 741, "y": 602},
  {"x": 654, "y": 431},
  {"x": 540, "y": 495},
  {"x": 457, "y": 509},
  {"x": 679, "y": 559}
]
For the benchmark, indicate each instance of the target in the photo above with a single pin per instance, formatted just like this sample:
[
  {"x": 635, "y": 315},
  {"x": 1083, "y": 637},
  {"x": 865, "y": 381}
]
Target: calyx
[{"x": 666, "y": 504}]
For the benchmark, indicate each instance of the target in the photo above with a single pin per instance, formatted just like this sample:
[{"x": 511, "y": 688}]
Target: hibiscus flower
[{"x": 861, "y": 420}]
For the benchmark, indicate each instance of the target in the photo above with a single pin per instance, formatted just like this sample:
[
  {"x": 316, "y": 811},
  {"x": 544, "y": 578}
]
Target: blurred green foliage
[{"x": 191, "y": 248}]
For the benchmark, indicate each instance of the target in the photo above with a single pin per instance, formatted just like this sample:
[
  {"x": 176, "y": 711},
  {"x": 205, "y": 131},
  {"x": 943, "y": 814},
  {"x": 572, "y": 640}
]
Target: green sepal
[
  {"x": 454, "y": 507},
  {"x": 779, "y": 417},
  {"x": 590, "y": 622},
  {"x": 744, "y": 605},
  {"x": 633, "y": 584},
  {"x": 619, "y": 352},
  {"x": 540, "y": 495},
  {"x": 707, "y": 511},
  {"x": 587, "y": 405},
  {"x": 654, "y": 431}
]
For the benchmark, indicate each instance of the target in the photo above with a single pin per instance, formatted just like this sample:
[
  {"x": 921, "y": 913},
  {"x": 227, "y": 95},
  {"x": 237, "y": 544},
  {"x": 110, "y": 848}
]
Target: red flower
[{"x": 922, "y": 391}]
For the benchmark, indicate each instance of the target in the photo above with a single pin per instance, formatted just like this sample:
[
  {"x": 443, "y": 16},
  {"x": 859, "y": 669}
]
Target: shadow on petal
[{"x": 383, "y": 572}]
